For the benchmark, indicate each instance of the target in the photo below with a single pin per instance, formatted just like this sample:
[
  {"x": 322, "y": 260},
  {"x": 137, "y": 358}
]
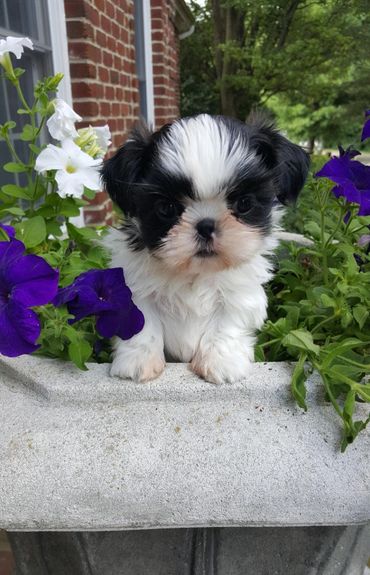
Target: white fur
[
  {"x": 200, "y": 149},
  {"x": 208, "y": 319}
]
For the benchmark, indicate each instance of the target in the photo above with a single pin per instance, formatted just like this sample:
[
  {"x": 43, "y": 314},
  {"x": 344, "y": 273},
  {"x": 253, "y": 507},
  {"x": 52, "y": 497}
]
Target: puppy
[{"x": 200, "y": 198}]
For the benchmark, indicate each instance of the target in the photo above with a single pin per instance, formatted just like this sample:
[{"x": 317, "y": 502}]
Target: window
[
  {"x": 20, "y": 18},
  {"x": 44, "y": 22}
]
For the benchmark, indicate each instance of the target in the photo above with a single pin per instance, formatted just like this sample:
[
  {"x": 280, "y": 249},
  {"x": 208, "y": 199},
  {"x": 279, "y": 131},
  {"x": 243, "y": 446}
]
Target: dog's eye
[
  {"x": 166, "y": 210},
  {"x": 243, "y": 205}
]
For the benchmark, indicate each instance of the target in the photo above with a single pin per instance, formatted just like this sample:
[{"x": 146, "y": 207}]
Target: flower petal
[
  {"x": 91, "y": 178},
  {"x": 52, "y": 158},
  {"x": 61, "y": 124},
  {"x": 9, "y": 230},
  {"x": 15, "y": 45},
  {"x": 126, "y": 323},
  {"x": 19, "y": 330},
  {"x": 366, "y": 128},
  {"x": 364, "y": 240},
  {"x": 69, "y": 184},
  {"x": 33, "y": 281},
  {"x": 10, "y": 251},
  {"x": 87, "y": 303}
]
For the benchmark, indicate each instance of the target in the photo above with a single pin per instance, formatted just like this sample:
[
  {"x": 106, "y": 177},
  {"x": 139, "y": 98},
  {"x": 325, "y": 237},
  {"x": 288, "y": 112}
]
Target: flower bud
[{"x": 6, "y": 63}]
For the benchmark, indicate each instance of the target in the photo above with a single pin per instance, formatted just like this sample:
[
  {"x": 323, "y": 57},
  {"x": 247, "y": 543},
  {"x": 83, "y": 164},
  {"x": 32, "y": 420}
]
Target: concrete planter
[{"x": 80, "y": 451}]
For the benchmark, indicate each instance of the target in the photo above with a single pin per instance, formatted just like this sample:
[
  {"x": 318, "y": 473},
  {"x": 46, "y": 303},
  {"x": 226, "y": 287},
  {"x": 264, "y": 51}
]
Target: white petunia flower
[
  {"x": 103, "y": 137},
  {"x": 61, "y": 124},
  {"x": 15, "y": 45},
  {"x": 74, "y": 168}
]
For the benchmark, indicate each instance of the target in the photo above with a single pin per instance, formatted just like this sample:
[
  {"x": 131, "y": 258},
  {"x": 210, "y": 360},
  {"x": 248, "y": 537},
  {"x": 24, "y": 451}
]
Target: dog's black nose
[{"x": 206, "y": 227}]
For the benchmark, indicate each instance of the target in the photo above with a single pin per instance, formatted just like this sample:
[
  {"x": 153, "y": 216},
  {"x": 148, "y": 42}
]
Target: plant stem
[
  {"x": 12, "y": 149},
  {"x": 21, "y": 97},
  {"x": 340, "y": 221},
  {"x": 323, "y": 247},
  {"x": 271, "y": 341},
  {"x": 323, "y": 322}
]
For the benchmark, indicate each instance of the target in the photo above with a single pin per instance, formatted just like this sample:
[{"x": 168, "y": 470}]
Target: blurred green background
[{"x": 306, "y": 62}]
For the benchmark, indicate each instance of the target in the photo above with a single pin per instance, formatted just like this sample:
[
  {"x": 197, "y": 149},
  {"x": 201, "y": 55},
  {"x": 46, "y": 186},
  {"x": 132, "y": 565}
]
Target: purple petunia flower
[
  {"x": 366, "y": 129},
  {"x": 364, "y": 240},
  {"x": 8, "y": 229},
  {"x": 103, "y": 293},
  {"x": 25, "y": 281},
  {"x": 352, "y": 179}
]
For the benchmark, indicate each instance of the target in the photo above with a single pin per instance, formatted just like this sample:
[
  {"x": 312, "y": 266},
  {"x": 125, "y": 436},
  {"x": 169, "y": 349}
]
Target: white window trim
[
  {"x": 59, "y": 45},
  {"x": 147, "y": 25}
]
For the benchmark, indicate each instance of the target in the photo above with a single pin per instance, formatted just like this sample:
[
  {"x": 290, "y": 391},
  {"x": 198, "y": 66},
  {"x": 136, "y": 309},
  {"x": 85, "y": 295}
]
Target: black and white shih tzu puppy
[{"x": 200, "y": 198}]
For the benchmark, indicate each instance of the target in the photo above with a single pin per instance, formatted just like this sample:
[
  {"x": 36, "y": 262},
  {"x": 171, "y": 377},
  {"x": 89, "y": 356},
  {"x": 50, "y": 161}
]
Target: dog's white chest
[{"x": 185, "y": 318}]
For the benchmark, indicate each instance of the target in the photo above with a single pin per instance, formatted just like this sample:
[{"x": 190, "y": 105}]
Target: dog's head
[{"x": 200, "y": 193}]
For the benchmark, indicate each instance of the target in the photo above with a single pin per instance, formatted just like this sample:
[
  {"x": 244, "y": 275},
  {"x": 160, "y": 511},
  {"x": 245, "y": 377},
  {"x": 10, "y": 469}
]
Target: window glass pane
[
  {"x": 2, "y": 13},
  {"x": 22, "y": 17},
  {"x": 26, "y": 17}
]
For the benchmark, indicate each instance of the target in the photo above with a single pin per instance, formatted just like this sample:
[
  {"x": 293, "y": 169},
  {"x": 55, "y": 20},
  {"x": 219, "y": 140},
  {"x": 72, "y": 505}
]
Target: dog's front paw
[
  {"x": 216, "y": 366},
  {"x": 141, "y": 369}
]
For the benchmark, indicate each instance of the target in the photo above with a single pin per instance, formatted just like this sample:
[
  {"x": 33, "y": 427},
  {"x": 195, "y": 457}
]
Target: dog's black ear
[
  {"x": 290, "y": 161},
  {"x": 293, "y": 165},
  {"x": 126, "y": 167}
]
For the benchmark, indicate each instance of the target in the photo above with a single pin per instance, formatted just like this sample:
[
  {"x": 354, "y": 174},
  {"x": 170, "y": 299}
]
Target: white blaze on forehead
[{"x": 202, "y": 149}]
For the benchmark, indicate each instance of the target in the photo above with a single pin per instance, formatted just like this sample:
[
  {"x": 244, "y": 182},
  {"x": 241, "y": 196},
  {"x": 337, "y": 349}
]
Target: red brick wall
[
  {"x": 166, "y": 67},
  {"x": 101, "y": 49}
]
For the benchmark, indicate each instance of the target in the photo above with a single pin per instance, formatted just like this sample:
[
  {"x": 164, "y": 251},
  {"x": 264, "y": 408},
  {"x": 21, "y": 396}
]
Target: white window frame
[
  {"x": 59, "y": 44},
  {"x": 59, "y": 52},
  {"x": 147, "y": 17}
]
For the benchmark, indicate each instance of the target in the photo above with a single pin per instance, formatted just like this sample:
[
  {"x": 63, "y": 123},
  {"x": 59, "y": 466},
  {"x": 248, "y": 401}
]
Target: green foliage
[
  {"x": 306, "y": 61},
  {"x": 199, "y": 92},
  {"x": 40, "y": 217},
  {"x": 319, "y": 302}
]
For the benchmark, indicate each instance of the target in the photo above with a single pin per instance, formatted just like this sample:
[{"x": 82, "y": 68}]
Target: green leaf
[
  {"x": 13, "y": 210},
  {"x": 16, "y": 192},
  {"x": 79, "y": 352},
  {"x": 89, "y": 194},
  {"x": 19, "y": 72},
  {"x": 259, "y": 354},
  {"x": 360, "y": 313},
  {"x": 84, "y": 235},
  {"x": 301, "y": 339},
  {"x": 68, "y": 208},
  {"x": 346, "y": 318},
  {"x": 331, "y": 351},
  {"x": 313, "y": 229},
  {"x": 3, "y": 235},
  {"x": 299, "y": 378},
  {"x": 328, "y": 301},
  {"x": 4, "y": 128},
  {"x": 28, "y": 133},
  {"x": 32, "y": 231},
  {"x": 363, "y": 390},
  {"x": 349, "y": 407},
  {"x": 53, "y": 229},
  {"x": 35, "y": 149},
  {"x": 15, "y": 167}
]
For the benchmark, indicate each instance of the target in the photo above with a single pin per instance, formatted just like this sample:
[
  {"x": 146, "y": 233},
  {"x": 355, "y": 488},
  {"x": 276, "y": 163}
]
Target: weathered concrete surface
[{"x": 82, "y": 451}]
